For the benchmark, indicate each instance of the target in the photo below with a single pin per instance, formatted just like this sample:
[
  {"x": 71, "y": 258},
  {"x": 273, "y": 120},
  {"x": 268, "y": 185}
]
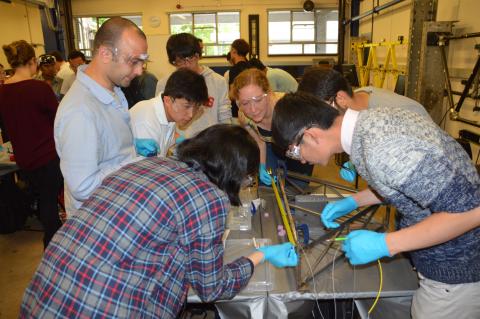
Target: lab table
[
  {"x": 285, "y": 298},
  {"x": 7, "y": 167}
]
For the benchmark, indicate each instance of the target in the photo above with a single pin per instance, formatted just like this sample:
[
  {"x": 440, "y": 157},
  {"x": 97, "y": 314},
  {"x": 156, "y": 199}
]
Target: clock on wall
[{"x": 154, "y": 21}]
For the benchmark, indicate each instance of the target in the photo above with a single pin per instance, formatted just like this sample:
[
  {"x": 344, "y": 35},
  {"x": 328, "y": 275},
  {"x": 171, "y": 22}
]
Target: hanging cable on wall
[
  {"x": 373, "y": 18},
  {"x": 35, "y": 45},
  {"x": 28, "y": 23},
  {"x": 48, "y": 15}
]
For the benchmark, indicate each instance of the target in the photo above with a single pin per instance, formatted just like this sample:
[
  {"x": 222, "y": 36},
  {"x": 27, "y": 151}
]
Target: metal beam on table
[
  {"x": 350, "y": 282},
  {"x": 284, "y": 298}
]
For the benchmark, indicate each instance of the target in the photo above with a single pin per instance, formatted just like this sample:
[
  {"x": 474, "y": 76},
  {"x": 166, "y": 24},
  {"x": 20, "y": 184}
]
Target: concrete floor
[{"x": 21, "y": 252}]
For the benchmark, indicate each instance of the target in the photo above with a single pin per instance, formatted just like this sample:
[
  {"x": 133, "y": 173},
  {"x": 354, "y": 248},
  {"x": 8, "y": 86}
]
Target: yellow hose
[{"x": 282, "y": 212}]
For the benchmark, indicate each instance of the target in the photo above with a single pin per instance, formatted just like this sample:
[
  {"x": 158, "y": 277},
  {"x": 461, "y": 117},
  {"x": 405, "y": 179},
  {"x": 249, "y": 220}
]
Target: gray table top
[
  {"x": 399, "y": 279},
  {"x": 7, "y": 168}
]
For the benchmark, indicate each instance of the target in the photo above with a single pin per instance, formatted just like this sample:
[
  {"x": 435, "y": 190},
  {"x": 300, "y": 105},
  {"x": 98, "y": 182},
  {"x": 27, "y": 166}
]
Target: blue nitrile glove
[
  {"x": 179, "y": 139},
  {"x": 146, "y": 147},
  {"x": 265, "y": 178},
  {"x": 283, "y": 255},
  {"x": 333, "y": 210},
  {"x": 348, "y": 172},
  {"x": 364, "y": 246}
]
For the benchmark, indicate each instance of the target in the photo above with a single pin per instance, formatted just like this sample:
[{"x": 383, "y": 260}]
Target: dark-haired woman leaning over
[
  {"x": 153, "y": 229},
  {"x": 28, "y": 109}
]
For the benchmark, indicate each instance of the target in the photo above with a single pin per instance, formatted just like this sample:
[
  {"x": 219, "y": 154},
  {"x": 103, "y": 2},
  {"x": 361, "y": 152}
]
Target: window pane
[
  {"x": 228, "y": 27},
  {"x": 85, "y": 32},
  {"x": 101, "y": 20},
  {"x": 205, "y": 27},
  {"x": 279, "y": 26},
  {"x": 181, "y": 22},
  {"x": 298, "y": 32},
  {"x": 135, "y": 19},
  {"x": 216, "y": 50},
  {"x": 309, "y": 48},
  {"x": 327, "y": 25},
  {"x": 279, "y": 16},
  {"x": 285, "y": 49},
  {"x": 216, "y": 29},
  {"x": 86, "y": 28},
  {"x": 303, "y": 28},
  {"x": 332, "y": 31},
  {"x": 327, "y": 48}
]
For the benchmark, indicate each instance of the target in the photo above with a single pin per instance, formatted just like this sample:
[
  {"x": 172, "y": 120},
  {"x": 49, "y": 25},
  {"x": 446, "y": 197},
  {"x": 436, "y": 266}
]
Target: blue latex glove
[
  {"x": 364, "y": 246},
  {"x": 348, "y": 172},
  {"x": 337, "y": 209},
  {"x": 283, "y": 255},
  {"x": 265, "y": 178},
  {"x": 146, "y": 147},
  {"x": 179, "y": 139}
]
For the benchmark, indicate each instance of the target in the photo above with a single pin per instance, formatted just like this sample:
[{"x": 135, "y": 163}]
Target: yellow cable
[
  {"x": 288, "y": 212},
  {"x": 282, "y": 212},
  {"x": 379, "y": 288}
]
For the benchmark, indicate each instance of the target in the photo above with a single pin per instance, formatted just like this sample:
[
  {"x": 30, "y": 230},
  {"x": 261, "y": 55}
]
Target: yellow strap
[{"x": 282, "y": 212}]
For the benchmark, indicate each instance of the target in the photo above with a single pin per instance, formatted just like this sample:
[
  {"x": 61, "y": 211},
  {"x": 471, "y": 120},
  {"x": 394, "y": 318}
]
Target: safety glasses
[
  {"x": 131, "y": 61},
  {"x": 294, "y": 149},
  {"x": 247, "y": 181},
  {"x": 182, "y": 61},
  {"x": 254, "y": 100},
  {"x": 46, "y": 59}
]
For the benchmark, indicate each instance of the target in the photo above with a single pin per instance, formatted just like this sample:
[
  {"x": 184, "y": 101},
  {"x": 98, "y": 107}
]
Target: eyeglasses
[
  {"x": 46, "y": 59},
  {"x": 181, "y": 61},
  {"x": 253, "y": 100},
  {"x": 293, "y": 150},
  {"x": 331, "y": 101},
  {"x": 195, "y": 106},
  {"x": 132, "y": 61},
  {"x": 247, "y": 181}
]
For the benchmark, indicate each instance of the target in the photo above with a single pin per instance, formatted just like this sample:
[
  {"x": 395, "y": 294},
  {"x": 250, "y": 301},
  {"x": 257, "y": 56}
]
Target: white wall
[
  {"x": 157, "y": 36},
  {"x": 23, "y": 22},
  {"x": 462, "y": 57},
  {"x": 391, "y": 23},
  {"x": 388, "y": 25},
  {"x": 19, "y": 21}
]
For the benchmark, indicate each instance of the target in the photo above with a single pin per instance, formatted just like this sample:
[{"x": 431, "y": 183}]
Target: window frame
[
  {"x": 193, "y": 13},
  {"x": 97, "y": 17},
  {"x": 303, "y": 43}
]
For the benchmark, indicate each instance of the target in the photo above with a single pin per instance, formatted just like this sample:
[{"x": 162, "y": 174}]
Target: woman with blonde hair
[
  {"x": 256, "y": 102},
  {"x": 28, "y": 109}
]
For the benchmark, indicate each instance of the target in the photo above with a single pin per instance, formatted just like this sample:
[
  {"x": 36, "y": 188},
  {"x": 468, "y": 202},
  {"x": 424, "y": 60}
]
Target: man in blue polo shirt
[{"x": 92, "y": 127}]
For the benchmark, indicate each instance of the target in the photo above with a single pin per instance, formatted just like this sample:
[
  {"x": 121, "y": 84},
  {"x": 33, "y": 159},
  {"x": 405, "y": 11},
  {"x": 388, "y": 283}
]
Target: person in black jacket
[{"x": 238, "y": 57}]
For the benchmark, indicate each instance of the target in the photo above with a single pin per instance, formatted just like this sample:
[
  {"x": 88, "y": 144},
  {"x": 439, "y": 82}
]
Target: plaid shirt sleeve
[
  {"x": 148, "y": 233},
  {"x": 202, "y": 237}
]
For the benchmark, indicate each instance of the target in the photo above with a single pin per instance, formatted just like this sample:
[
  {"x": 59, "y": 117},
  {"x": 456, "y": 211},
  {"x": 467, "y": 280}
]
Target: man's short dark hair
[
  {"x": 111, "y": 32},
  {"x": 295, "y": 111},
  {"x": 241, "y": 46},
  {"x": 187, "y": 84},
  {"x": 58, "y": 56},
  {"x": 182, "y": 45},
  {"x": 256, "y": 63},
  {"x": 76, "y": 54},
  {"x": 226, "y": 153},
  {"x": 324, "y": 84}
]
